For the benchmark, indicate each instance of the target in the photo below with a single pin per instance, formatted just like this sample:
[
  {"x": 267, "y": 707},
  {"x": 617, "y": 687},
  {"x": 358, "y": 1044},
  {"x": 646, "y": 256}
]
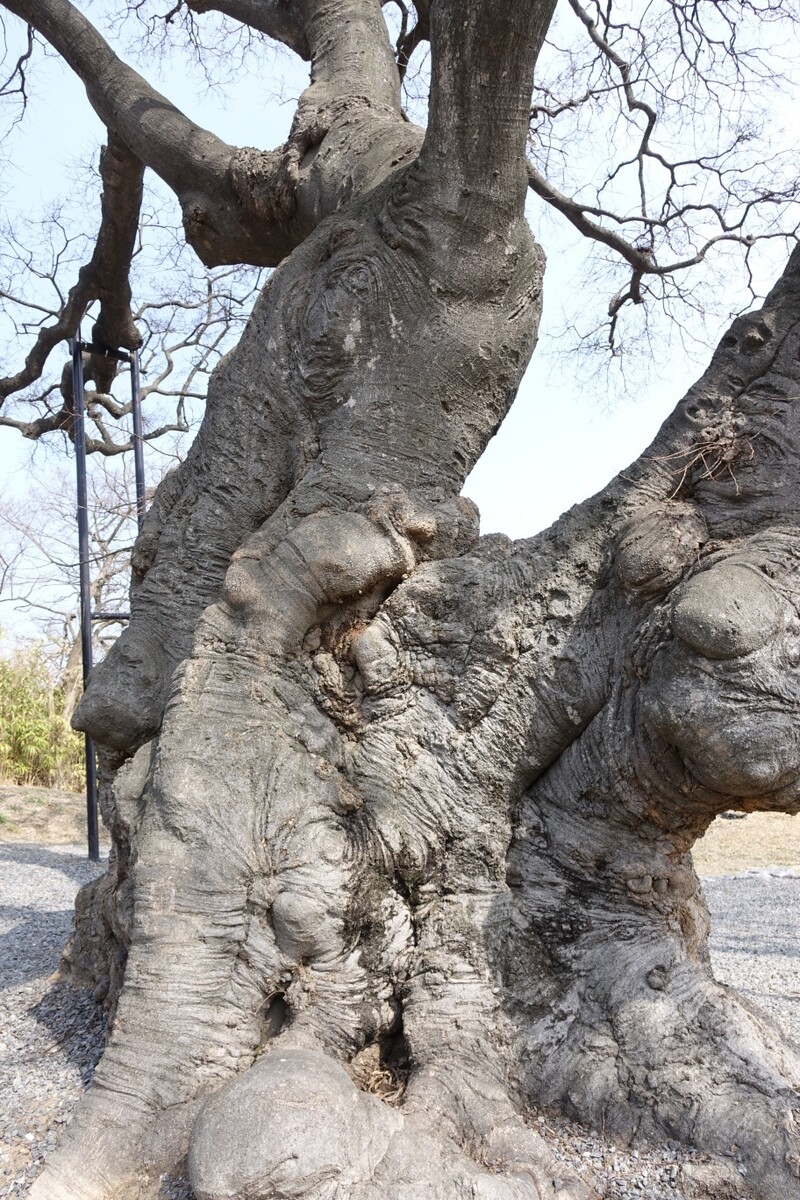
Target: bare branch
[
  {"x": 106, "y": 445},
  {"x": 635, "y": 105},
  {"x": 49, "y": 337},
  {"x": 680, "y": 70},
  {"x": 17, "y": 82},
  {"x": 103, "y": 278},
  {"x": 410, "y": 39},
  {"x": 184, "y": 328},
  {"x": 575, "y": 213}
]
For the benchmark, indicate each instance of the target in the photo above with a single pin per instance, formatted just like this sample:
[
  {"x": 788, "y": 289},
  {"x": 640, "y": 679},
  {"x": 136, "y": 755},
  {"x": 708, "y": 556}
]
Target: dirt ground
[
  {"x": 44, "y": 815},
  {"x": 34, "y": 814},
  {"x": 747, "y": 843}
]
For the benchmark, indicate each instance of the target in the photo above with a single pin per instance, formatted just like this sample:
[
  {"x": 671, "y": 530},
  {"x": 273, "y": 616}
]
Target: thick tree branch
[
  {"x": 351, "y": 51},
  {"x": 196, "y": 164},
  {"x": 251, "y": 206},
  {"x": 278, "y": 19},
  {"x": 184, "y": 155},
  {"x": 103, "y": 278},
  {"x": 122, "y": 174},
  {"x": 482, "y": 76},
  {"x": 348, "y": 133},
  {"x": 346, "y": 42}
]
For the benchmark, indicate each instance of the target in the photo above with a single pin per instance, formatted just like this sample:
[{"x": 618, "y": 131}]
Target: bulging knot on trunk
[
  {"x": 275, "y": 594},
  {"x": 656, "y": 549},
  {"x": 725, "y": 690},
  {"x": 605, "y": 901},
  {"x": 727, "y": 612},
  {"x": 296, "y": 1125}
]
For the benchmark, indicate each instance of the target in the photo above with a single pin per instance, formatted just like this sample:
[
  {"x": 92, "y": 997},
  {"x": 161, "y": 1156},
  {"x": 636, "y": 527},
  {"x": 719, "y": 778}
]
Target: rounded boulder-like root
[{"x": 295, "y": 1125}]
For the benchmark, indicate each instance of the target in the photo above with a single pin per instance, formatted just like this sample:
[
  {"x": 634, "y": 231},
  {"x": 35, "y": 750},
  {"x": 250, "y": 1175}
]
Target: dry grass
[
  {"x": 751, "y": 842},
  {"x": 44, "y": 815},
  {"x": 385, "y": 1080}
]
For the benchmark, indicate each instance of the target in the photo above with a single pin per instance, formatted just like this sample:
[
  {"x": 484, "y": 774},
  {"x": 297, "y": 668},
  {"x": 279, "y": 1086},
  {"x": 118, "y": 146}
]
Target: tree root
[{"x": 295, "y": 1125}]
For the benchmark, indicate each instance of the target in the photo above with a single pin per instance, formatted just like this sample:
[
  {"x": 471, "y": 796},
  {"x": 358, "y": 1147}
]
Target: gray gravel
[
  {"x": 755, "y": 940},
  {"x": 51, "y": 1035}
]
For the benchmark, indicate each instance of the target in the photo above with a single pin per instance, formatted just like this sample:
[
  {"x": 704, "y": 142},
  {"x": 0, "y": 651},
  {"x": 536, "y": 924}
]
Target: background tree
[
  {"x": 382, "y": 789},
  {"x": 37, "y": 745},
  {"x": 38, "y": 550}
]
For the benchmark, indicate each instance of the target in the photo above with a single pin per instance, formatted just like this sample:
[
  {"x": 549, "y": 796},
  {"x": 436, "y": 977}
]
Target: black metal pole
[
  {"x": 85, "y": 585},
  {"x": 138, "y": 443}
]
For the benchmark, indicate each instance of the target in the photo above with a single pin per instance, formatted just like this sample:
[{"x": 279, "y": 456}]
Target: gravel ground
[{"x": 51, "y": 1035}]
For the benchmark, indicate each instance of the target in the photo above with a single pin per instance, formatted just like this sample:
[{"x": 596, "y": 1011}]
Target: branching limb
[
  {"x": 16, "y": 84},
  {"x": 106, "y": 445},
  {"x": 251, "y": 206},
  {"x": 184, "y": 155},
  {"x": 193, "y": 162},
  {"x": 346, "y": 44},
  {"x": 103, "y": 278},
  {"x": 634, "y": 103},
  {"x": 351, "y": 55},
  {"x": 184, "y": 329},
  {"x": 409, "y": 39},
  {"x": 676, "y": 73},
  {"x": 48, "y": 338},
  {"x": 576, "y": 214},
  {"x": 642, "y": 259},
  {"x": 275, "y": 18}
]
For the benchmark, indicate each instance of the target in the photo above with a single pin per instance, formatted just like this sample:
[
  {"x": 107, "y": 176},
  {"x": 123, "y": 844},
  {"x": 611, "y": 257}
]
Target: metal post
[
  {"x": 138, "y": 443},
  {"x": 85, "y": 585}
]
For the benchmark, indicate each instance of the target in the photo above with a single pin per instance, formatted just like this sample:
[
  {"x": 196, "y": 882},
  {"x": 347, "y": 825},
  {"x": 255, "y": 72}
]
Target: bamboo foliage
[{"x": 37, "y": 745}]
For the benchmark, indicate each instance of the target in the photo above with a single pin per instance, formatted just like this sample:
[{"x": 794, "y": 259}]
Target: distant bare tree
[{"x": 39, "y": 553}]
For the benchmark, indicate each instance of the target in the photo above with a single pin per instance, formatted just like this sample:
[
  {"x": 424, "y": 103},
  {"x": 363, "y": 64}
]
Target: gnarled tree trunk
[{"x": 385, "y": 794}]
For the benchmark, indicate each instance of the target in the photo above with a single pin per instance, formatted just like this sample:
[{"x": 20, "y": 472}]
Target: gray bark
[{"x": 387, "y": 795}]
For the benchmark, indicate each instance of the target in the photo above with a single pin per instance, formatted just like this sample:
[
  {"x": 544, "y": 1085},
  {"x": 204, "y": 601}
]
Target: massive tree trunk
[{"x": 387, "y": 796}]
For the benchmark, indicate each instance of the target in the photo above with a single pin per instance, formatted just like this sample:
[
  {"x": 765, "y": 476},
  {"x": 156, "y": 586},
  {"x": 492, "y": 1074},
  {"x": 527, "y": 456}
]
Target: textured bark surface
[
  {"x": 439, "y": 813},
  {"x": 390, "y": 797}
]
